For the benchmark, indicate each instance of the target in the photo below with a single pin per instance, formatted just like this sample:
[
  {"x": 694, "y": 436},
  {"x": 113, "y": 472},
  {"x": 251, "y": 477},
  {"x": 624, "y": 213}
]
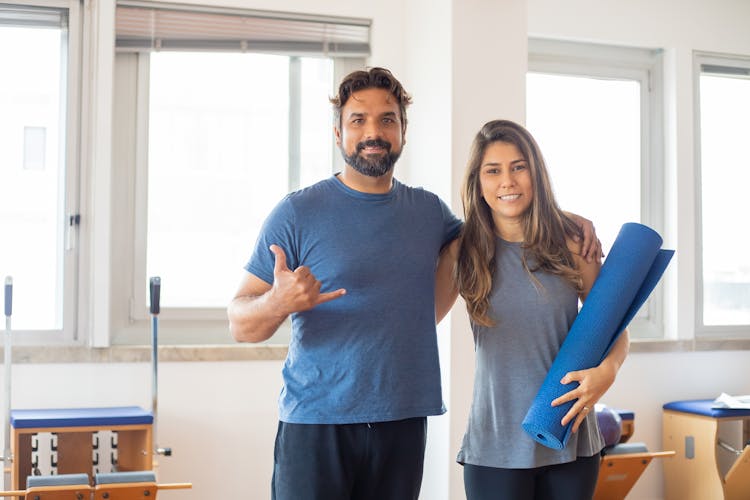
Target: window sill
[
  {"x": 688, "y": 345},
  {"x": 277, "y": 352},
  {"x": 141, "y": 354}
]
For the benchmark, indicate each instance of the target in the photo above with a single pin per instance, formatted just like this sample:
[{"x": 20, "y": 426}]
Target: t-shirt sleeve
[
  {"x": 451, "y": 224},
  {"x": 278, "y": 229}
]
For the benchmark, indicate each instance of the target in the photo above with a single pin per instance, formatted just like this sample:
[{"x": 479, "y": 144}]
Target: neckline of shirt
[
  {"x": 508, "y": 243},
  {"x": 365, "y": 196}
]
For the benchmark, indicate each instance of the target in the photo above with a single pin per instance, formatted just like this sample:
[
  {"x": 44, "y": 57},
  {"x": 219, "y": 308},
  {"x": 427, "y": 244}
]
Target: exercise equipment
[
  {"x": 8, "y": 360},
  {"x": 130, "y": 485},
  {"x": 109, "y": 486},
  {"x": 634, "y": 266},
  {"x": 713, "y": 451},
  {"x": 84, "y": 442},
  {"x": 154, "y": 308},
  {"x": 622, "y": 462},
  {"x": 610, "y": 425},
  {"x": 58, "y": 487},
  {"x": 628, "y": 424},
  {"x": 75, "y": 430}
]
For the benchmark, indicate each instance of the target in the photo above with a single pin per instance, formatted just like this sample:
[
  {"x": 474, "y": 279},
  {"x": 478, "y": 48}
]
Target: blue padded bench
[
  {"x": 74, "y": 428},
  {"x": 57, "y": 480},
  {"x": 625, "y": 414},
  {"x": 628, "y": 423},
  {"x": 80, "y": 417},
  {"x": 703, "y": 407},
  {"x": 131, "y": 484},
  {"x": 140, "y": 476},
  {"x": 625, "y": 449},
  {"x": 58, "y": 486},
  {"x": 701, "y": 470}
]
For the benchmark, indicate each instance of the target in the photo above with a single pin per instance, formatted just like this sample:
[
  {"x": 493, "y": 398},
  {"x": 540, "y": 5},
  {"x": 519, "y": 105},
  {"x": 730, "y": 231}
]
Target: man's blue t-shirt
[{"x": 370, "y": 355}]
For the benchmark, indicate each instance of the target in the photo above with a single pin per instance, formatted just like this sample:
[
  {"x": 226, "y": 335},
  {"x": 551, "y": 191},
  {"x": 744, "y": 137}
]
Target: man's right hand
[{"x": 297, "y": 290}]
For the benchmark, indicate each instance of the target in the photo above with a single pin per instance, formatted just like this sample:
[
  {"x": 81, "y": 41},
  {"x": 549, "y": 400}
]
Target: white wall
[
  {"x": 647, "y": 381},
  {"x": 220, "y": 418},
  {"x": 428, "y": 70}
]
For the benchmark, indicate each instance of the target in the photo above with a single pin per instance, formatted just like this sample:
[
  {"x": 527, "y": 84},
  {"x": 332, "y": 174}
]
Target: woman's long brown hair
[{"x": 547, "y": 229}]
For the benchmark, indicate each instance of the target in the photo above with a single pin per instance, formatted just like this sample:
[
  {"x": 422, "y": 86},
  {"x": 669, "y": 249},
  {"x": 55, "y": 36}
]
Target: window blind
[
  {"x": 19, "y": 16},
  {"x": 148, "y": 26},
  {"x": 725, "y": 70}
]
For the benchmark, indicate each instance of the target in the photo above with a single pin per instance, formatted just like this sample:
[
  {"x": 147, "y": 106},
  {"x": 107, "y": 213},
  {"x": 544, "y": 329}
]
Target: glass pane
[
  {"x": 31, "y": 173},
  {"x": 725, "y": 127},
  {"x": 589, "y": 131},
  {"x": 218, "y": 163},
  {"x": 317, "y": 127}
]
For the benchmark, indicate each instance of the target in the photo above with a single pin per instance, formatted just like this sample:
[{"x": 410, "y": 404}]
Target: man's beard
[{"x": 372, "y": 165}]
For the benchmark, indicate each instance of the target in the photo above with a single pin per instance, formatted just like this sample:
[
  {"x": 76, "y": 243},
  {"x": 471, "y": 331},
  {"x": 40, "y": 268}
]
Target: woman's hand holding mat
[{"x": 628, "y": 276}]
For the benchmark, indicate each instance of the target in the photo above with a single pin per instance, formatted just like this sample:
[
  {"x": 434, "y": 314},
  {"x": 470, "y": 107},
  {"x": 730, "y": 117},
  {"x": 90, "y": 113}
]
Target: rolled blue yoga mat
[{"x": 628, "y": 276}]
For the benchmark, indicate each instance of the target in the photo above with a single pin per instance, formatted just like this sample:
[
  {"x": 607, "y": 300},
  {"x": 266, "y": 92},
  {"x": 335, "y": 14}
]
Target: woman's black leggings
[{"x": 570, "y": 481}]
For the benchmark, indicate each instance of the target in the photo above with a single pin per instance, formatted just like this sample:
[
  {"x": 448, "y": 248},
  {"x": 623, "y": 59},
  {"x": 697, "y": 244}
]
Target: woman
[{"x": 521, "y": 274}]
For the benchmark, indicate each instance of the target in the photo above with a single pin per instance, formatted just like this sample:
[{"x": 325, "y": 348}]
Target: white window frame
[
  {"x": 181, "y": 325},
  {"x": 71, "y": 99},
  {"x": 730, "y": 62},
  {"x": 646, "y": 67},
  {"x": 345, "y": 41},
  {"x": 137, "y": 309}
]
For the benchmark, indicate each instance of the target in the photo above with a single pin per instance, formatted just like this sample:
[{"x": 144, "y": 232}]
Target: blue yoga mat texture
[{"x": 627, "y": 277}]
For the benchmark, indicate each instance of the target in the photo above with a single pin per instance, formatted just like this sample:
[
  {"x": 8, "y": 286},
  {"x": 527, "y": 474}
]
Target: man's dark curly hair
[{"x": 379, "y": 78}]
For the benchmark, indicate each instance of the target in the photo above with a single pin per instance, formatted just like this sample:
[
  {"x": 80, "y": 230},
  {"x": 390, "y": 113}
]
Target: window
[
  {"x": 218, "y": 161},
  {"x": 594, "y": 110},
  {"x": 38, "y": 161},
  {"x": 225, "y": 119},
  {"x": 723, "y": 125}
]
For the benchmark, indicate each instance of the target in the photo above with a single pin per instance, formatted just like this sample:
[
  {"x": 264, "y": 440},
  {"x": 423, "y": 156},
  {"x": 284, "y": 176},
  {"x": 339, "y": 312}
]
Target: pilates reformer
[
  {"x": 92, "y": 453},
  {"x": 622, "y": 462}
]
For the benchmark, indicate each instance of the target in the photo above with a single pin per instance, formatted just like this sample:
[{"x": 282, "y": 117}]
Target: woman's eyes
[{"x": 515, "y": 168}]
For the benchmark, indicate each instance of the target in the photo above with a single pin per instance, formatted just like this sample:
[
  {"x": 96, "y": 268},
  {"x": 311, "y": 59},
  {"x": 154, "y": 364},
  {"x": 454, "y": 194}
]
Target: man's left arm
[
  {"x": 446, "y": 290},
  {"x": 591, "y": 247}
]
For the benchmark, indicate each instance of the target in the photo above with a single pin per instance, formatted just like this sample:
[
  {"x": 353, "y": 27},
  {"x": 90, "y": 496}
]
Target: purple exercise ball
[{"x": 610, "y": 425}]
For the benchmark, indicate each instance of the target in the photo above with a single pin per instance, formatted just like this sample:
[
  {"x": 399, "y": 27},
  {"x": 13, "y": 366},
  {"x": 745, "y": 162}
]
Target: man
[{"x": 353, "y": 260}]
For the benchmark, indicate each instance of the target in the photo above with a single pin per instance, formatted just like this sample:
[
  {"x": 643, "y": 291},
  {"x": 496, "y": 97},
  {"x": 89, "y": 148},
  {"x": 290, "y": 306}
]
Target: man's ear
[{"x": 337, "y": 134}]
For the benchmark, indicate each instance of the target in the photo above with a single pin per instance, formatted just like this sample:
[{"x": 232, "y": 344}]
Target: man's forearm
[{"x": 253, "y": 318}]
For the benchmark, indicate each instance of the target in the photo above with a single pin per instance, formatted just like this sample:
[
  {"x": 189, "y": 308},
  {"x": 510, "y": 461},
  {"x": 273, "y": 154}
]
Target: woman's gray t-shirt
[{"x": 512, "y": 360}]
